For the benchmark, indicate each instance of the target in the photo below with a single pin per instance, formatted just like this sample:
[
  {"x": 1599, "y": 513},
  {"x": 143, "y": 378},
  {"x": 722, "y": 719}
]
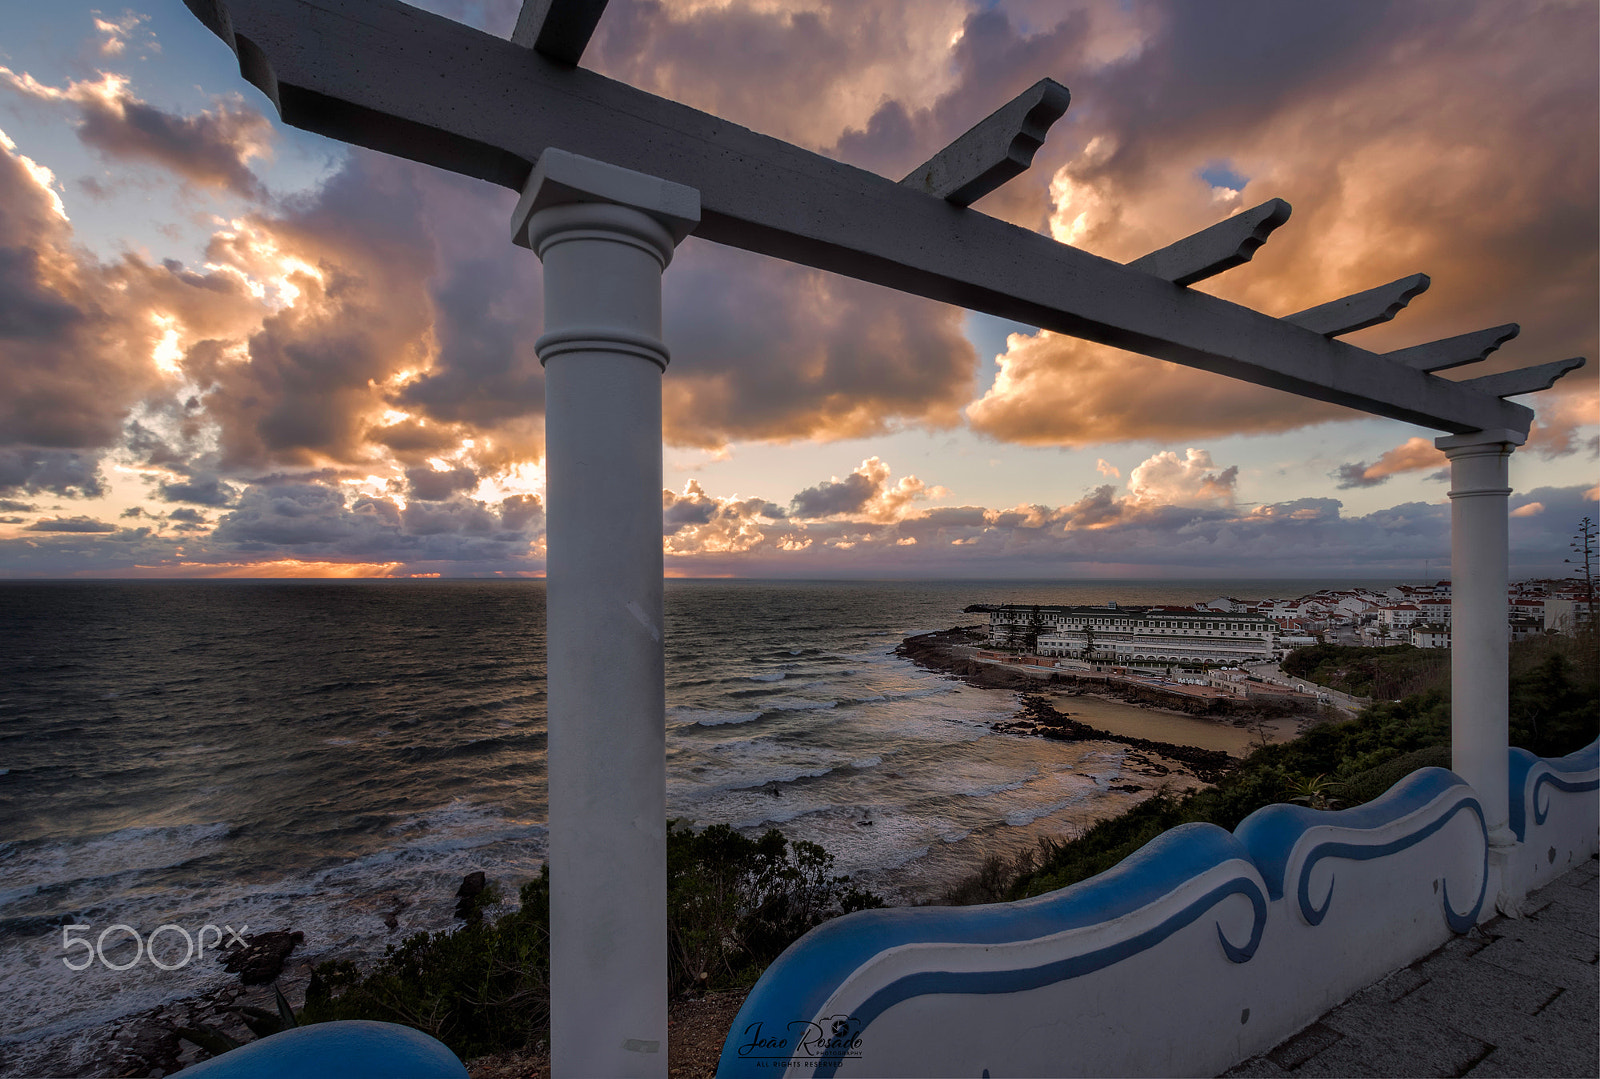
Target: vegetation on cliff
[
  {"x": 1554, "y": 710},
  {"x": 733, "y": 905}
]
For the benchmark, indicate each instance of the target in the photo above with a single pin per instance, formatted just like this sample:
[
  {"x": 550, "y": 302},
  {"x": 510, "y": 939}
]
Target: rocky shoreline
[
  {"x": 951, "y": 652},
  {"x": 154, "y": 1042}
]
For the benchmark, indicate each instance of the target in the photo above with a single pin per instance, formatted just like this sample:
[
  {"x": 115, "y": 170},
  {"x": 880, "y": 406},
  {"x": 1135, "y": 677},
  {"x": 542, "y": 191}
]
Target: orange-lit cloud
[
  {"x": 1412, "y": 455},
  {"x": 212, "y": 148},
  {"x": 1359, "y": 122}
]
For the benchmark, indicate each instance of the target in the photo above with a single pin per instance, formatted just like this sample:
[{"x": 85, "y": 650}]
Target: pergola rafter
[{"x": 383, "y": 75}]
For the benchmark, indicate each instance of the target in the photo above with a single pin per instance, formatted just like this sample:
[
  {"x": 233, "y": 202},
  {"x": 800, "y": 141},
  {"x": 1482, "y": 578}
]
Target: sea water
[{"x": 320, "y": 755}]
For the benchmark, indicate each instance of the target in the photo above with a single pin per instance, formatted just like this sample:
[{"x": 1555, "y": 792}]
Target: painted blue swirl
[
  {"x": 1272, "y": 833},
  {"x": 803, "y": 979},
  {"x": 1550, "y": 779},
  {"x": 925, "y": 983},
  {"x": 1583, "y": 763},
  {"x": 1361, "y": 852}
]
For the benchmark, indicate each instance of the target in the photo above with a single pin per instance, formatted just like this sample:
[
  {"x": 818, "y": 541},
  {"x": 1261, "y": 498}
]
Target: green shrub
[
  {"x": 733, "y": 905},
  {"x": 478, "y": 988}
]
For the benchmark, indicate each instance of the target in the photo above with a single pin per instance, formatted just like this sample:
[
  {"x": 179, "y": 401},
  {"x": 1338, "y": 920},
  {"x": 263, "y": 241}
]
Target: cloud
[
  {"x": 211, "y": 148},
  {"x": 204, "y": 490},
  {"x": 310, "y": 520},
  {"x": 764, "y": 350},
  {"x": 70, "y": 524},
  {"x": 117, "y": 32},
  {"x": 1059, "y": 391},
  {"x": 436, "y": 485},
  {"x": 61, "y": 472},
  {"x": 865, "y": 491},
  {"x": 1192, "y": 479},
  {"x": 1355, "y": 120},
  {"x": 1413, "y": 455},
  {"x": 837, "y": 497}
]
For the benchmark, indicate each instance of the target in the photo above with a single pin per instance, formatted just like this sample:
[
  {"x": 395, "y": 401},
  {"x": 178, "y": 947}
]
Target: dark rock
[
  {"x": 261, "y": 959},
  {"x": 470, "y": 895}
]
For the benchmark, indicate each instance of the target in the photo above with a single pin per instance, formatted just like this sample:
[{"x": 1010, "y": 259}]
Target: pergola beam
[
  {"x": 373, "y": 72},
  {"x": 558, "y": 29},
  {"x": 1524, "y": 379},
  {"x": 996, "y": 149},
  {"x": 1455, "y": 351},
  {"x": 1210, "y": 251},
  {"x": 1362, "y": 309}
]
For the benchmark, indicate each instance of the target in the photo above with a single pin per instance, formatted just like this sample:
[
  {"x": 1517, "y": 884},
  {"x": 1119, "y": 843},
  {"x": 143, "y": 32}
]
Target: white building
[
  {"x": 1150, "y": 637},
  {"x": 1430, "y": 636},
  {"x": 1566, "y": 614},
  {"x": 1399, "y": 616}
]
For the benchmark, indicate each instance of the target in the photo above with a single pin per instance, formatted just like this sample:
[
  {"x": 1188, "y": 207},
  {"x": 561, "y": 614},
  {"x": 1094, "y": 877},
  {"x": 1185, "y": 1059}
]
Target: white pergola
[{"x": 612, "y": 178}]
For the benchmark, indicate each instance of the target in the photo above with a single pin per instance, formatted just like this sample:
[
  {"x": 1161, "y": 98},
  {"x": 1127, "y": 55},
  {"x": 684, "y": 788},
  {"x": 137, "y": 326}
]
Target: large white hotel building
[{"x": 1150, "y": 637}]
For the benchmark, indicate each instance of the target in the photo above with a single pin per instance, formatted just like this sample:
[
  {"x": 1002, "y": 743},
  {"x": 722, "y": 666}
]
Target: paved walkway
[{"x": 1515, "y": 997}]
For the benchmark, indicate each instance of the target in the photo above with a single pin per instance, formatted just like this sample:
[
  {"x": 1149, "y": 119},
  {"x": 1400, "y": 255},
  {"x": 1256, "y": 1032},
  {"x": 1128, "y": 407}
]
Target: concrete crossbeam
[
  {"x": 558, "y": 29},
  {"x": 997, "y": 148},
  {"x": 369, "y": 72},
  {"x": 1221, "y": 247},
  {"x": 1524, "y": 379},
  {"x": 1362, "y": 309},
  {"x": 1455, "y": 351}
]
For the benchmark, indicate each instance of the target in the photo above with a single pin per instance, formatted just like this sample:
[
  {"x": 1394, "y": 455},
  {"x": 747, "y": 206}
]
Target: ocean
[{"x": 317, "y": 755}]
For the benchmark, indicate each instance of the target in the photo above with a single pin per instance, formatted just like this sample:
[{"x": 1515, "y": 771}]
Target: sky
[{"x": 229, "y": 348}]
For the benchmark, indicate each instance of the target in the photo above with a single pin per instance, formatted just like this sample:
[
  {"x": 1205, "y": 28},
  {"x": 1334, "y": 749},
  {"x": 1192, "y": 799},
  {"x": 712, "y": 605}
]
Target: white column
[
  {"x": 605, "y": 235},
  {"x": 1479, "y": 651}
]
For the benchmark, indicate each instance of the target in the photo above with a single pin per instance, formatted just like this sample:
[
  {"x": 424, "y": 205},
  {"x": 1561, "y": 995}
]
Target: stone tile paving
[{"x": 1515, "y": 997}]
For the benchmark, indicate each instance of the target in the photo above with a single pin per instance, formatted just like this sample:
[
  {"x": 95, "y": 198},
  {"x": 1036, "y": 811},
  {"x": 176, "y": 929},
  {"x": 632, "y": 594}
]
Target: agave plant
[{"x": 1315, "y": 792}]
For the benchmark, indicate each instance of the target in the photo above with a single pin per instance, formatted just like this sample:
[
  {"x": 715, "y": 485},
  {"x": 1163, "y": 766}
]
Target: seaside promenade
[{"x": 1514, "y": 997}]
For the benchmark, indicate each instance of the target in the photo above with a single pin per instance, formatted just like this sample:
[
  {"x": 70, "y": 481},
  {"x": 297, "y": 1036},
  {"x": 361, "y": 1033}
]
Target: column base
[{"x": 1508, "y": 892}]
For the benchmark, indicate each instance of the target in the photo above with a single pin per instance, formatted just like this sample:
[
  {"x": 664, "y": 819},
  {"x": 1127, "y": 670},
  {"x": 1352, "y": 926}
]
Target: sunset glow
[{"x": 245, "y": 350}]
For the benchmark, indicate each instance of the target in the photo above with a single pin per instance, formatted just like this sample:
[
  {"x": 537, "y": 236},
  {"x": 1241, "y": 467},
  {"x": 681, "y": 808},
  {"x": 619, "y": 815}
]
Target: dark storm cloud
[
  {"x": 1355, "y": 475},
  {"x": 836, "y": 497},
  {"x": 67, "y": 376},
  {"x": 70, "y": 524},
  {"x": 313, "y": 521},
  {"x": 435, "y": 486},
  {"x": 766, "y": 350},
  {"x": 211, "y": 148},
  {"x": 28, "y": 310},
  {"x": 361, "y": 318},
  {"x": 61, "y": 472},
  {"x": 203, "y": 490}
]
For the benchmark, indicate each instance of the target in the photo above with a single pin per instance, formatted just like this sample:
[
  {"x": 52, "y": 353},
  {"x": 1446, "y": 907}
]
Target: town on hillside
[{"x": 1211, "y": 641}]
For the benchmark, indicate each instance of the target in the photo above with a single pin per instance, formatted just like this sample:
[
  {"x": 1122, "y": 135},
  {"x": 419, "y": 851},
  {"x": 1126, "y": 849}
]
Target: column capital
[
  {"x": 567, "y": 179},
  {"x": 1480, "y": 440}
]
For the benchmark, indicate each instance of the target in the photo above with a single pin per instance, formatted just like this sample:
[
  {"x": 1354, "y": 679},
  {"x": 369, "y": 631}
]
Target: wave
[{"x": 36, "y": 866}]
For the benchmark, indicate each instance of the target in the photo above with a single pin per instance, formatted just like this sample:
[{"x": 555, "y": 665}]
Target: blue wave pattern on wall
[
  {"x": 1272, "y": 835},
  {"x": 1576, "y": 773},
  {"x": 804, "y": 979}
]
